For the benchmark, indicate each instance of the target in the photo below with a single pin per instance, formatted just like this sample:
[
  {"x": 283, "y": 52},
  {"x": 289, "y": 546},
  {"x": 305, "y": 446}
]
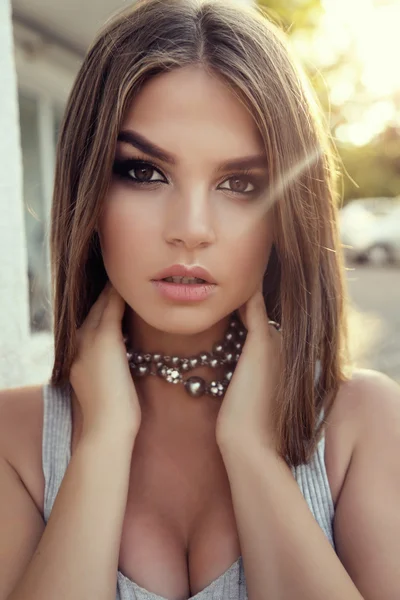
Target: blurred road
[{"x": 375, "y": 317}]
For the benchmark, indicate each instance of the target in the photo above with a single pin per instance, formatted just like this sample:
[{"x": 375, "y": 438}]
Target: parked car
[
  {"x": 379, "y": 206},
  {"x": 368, "y": 236}
]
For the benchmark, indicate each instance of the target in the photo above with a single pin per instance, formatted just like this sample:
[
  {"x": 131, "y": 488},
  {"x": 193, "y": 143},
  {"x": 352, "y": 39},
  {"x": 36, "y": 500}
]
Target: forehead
[{"x": 191, "y": 107}]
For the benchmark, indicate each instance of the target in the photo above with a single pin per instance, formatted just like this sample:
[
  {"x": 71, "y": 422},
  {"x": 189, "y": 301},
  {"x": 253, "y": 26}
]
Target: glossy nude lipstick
[{"x": 184, "y": 284}]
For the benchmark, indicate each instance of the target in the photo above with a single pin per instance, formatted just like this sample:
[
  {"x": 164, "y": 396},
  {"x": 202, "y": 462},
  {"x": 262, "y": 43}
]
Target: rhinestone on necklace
[{"x": 172, "y": 369}]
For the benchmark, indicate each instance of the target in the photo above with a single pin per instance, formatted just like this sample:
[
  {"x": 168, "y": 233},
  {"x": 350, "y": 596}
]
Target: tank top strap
[
  {"x": 312, "y": 479},
  {"x": 56, "y": 440}
]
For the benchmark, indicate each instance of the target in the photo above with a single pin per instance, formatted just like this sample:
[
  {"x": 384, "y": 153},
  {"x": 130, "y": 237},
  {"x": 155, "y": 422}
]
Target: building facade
[{"x": 42, "y": 44}]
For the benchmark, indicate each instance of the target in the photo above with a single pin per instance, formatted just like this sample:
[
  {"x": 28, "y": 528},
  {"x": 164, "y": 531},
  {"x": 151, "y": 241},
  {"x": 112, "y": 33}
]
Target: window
[{"x": 39, "y": 122}]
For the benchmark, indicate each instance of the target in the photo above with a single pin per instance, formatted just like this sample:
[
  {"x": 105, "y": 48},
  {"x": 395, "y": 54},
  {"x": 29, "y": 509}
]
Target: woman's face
[{"x": 189, "y": 188}]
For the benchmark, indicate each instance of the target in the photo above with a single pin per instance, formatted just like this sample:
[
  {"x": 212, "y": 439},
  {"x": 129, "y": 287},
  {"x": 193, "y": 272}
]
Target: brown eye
[
  {"x": 145, "y": 174},
  {"x": 238, "y": 185},
  {"x": 138, "y": 172}
]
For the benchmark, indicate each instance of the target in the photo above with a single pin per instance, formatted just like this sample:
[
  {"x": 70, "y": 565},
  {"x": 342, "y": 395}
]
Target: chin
[{"x": 183, "y": 320}]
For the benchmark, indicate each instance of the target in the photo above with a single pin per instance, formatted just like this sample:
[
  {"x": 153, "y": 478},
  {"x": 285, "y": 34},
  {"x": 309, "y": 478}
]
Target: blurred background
[{"x": 350, "y": 50}]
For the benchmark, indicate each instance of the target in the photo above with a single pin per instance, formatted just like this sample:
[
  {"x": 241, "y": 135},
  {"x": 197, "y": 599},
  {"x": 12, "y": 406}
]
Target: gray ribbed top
[{"x": 231, "y": 585}]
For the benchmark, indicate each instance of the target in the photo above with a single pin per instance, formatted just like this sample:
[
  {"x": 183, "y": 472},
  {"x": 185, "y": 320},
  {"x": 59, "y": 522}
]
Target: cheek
[
  {"x": 249, "y": 258},
  {"x": 124, "y": 232},
  {"x": 251, "y": 247}
]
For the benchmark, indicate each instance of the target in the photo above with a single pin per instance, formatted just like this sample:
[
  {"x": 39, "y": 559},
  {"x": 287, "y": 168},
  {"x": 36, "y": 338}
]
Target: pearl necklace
[{"x": 225, "y": 353}]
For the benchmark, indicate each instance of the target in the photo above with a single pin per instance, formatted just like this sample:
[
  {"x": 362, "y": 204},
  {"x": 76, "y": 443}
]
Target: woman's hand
[
  {"x": 247, "y": 410},
  {"x": 100, "y": 375}
]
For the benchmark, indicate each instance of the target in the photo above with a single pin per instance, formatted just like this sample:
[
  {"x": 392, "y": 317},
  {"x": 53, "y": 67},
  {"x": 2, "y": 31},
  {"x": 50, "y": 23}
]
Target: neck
[
  {"x": 144, "y": 338},
  {"x": 157, "y": 395}
]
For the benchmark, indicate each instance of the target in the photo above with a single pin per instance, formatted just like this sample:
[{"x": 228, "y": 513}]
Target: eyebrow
[
  {"x": 247, "y": 162},
  {"x": 141, "y": 143},
  {"x": 144, "y": 145}
]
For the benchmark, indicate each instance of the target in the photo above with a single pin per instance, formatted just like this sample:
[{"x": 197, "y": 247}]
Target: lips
[
  {"x": 185, "y": 280},
  {"x": 195, "y": 272}
]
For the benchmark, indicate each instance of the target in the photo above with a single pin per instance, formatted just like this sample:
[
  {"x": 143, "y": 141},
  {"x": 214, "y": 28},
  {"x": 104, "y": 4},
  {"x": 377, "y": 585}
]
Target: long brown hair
[{"x": 304, "y": 281}]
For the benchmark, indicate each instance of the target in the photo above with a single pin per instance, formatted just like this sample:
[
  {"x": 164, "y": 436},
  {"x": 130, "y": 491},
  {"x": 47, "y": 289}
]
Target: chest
[{"x": 179, "y": 531}]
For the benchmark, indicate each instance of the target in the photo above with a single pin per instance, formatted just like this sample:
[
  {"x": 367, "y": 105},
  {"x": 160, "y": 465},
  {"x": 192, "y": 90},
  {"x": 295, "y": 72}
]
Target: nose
[{"x": 189, "y": 220}]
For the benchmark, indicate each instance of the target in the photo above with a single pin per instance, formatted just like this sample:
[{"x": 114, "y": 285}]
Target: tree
[
  {"x": 371, "y": 170},
  {"x": 294, "y": 15}
]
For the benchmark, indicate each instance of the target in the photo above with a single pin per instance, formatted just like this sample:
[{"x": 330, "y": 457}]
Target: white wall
[
  {"x": 14, "y": 315},
  {"x": 44, "y": 72}
]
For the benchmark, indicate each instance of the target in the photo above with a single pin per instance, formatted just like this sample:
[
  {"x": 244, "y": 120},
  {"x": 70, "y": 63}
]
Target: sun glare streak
[{"x": 287, "y": 179}]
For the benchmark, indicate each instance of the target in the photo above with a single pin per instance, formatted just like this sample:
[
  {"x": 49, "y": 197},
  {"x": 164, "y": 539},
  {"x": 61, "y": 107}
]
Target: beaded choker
[{"x": 173, "y": 369}]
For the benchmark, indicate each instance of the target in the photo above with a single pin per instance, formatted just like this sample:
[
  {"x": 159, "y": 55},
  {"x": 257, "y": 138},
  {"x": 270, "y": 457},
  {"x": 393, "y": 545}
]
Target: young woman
[{"x": 202, "y": 435}]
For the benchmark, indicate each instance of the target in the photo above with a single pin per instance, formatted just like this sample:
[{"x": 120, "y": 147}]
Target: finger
[
  {"x": 250, "y": 309},
  {"x": 96, "y": 311},
  {"x": 255, "y": 316},
  {"x": 114, "y": 309}
]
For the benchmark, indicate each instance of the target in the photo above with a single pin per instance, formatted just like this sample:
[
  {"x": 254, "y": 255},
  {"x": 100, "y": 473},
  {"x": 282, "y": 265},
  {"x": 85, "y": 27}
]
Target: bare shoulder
[
  {"x": 21, "y": 429},
  {"x": 366, "y": 405},
  {"x": 21, "y": 416},
  {"x": 367, "y": 526},
  {"x": 368, "y": 399}
]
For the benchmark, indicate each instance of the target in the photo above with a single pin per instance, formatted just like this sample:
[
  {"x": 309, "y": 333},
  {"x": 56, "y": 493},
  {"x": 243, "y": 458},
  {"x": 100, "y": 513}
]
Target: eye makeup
[{"x": 140, "y": 172}]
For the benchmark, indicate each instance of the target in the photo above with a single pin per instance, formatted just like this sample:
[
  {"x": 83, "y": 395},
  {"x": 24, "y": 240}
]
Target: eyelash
[{"x": 122, "y": 168}]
